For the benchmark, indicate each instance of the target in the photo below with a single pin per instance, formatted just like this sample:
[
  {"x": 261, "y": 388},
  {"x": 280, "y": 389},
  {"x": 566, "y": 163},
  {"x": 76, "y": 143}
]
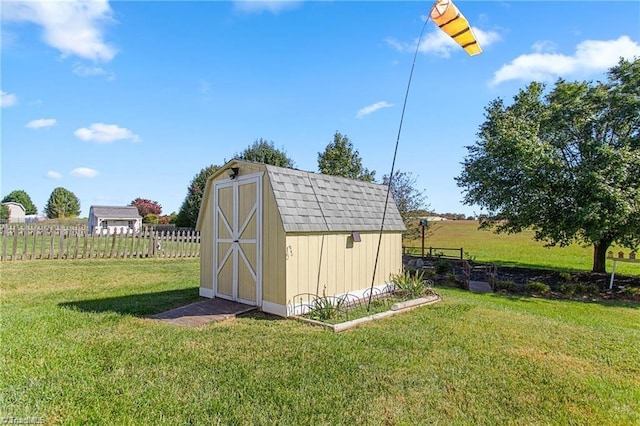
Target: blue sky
[{"x": 119, "y": 100}]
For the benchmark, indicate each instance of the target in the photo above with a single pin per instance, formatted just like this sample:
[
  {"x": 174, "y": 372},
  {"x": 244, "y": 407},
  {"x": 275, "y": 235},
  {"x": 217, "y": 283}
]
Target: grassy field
[
  {"x": 515, "y": 249},
  {"x": 76, "y": 348}
]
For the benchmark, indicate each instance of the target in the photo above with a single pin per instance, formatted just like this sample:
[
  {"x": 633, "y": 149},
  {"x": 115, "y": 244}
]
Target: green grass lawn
[
  {"x": 76, "y": 349},
  {"x": 515, "y": 249}
]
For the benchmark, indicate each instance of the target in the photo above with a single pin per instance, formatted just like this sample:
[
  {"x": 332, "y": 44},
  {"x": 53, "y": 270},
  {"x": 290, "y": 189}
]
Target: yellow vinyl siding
[
  {"x": 273, "y": 248},
  {"x": 332, "y": 264},
  {"x": 206, "y": 242}
]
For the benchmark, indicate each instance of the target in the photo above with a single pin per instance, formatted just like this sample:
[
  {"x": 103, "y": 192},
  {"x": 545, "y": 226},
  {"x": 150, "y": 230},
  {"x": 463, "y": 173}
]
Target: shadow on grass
[
  {"x": 528, "y": 298},
  {"x": 612, "y": 303},
  {"x": 142, "y": 304},
  {"x": 534, "y": 266},
  {"x": 260, "y": 316}
]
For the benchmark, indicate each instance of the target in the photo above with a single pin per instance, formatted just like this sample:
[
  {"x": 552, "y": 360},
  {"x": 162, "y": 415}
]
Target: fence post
[
  {"x": 14, "y": 249},
  {"x": 33, "y": 247},
  {"x": 152, "y": 243},
  {"x": 24, "y": 243}
]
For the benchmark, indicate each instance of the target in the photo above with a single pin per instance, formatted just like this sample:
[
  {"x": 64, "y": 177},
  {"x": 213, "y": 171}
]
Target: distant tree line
[{"x": 339, "y": 158}]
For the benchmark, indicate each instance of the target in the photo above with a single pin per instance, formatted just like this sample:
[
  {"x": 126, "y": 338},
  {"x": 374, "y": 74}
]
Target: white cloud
[
  {"x": 41, "y": 123},
  {"x": 440, "y": 44},
  {"x": 54, "y": 175},
  {"x": 486, "y": 38},
  {"x": 105, "y": 133},
  {"x": 543, "y": 46},
  {"x": 258, "y": 6},
  {"x": 74, "y": 27},
  {"x": 92, "y": 71},
  {"x": 84, "y": 172},
  {"x": 591, "y": 56},
  {"x": 7, "y": 99},
  {"x": 372, "y": 108}
]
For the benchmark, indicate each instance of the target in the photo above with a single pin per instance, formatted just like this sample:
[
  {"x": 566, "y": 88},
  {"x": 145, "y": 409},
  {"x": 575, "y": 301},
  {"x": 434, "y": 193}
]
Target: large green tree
[
  {"x": 565, "y": 164},
  {"x": 262, "y": 151},
  {"x": 340, "y": 158},
  {"x": 188, "y": 214},
  {"x": 62, "y": 204},
  {"x": 20, "y": 196}
]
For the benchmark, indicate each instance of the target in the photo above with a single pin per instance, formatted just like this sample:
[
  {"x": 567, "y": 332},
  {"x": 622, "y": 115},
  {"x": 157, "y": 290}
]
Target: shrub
[
  {"x": 537, "y": 287},
  {"x": 442, "y": 266},
  {"x": 509, "y": 286},
  {"x": 151, "y": 219},
  {"x": 429, "y": 274},
  {"x": 578, "y": 289},
  {"x": 567, "y": 289},
  {"x": 453, "y": 279},
  {"x": 566, "y": 276},
  {"x": 587, "y": 289},
  {"x": 634, "y": 292}
]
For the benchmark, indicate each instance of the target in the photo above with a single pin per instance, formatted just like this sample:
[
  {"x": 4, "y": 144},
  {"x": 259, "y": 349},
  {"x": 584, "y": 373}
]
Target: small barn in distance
[
  {"x": 269, "y": 234},
  {"x": 114, "y": 219}
]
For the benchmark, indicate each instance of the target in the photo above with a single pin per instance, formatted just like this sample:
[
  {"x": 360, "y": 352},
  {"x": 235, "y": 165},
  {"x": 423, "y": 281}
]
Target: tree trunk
[{"x": 600, "y": 256}]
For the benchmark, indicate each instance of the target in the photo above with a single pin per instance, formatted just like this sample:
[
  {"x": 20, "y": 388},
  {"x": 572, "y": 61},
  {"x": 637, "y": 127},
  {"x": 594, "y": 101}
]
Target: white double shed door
[{"x": 237, "y": 252}]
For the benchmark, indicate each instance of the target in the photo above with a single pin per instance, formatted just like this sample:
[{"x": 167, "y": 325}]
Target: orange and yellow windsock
[{"x": 447, "y": 16}]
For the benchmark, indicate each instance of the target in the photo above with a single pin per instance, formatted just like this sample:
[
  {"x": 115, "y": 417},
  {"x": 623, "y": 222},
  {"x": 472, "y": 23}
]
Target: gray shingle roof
[
  {"x": 115, "y": 212},
  {"x": 310, "y": 202}
]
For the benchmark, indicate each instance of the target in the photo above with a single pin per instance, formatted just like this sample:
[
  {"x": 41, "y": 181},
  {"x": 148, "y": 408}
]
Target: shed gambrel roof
[
  {"x": 116, "y": 212},
  {"x": 313, "y": 202}
]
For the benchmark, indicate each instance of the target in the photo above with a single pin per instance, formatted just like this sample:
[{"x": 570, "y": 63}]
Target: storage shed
[{"x": 269, "y": 234}]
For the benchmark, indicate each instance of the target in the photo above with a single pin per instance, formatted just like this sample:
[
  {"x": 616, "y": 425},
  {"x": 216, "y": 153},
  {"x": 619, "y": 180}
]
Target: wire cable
[{"x": 393, "y": 163}]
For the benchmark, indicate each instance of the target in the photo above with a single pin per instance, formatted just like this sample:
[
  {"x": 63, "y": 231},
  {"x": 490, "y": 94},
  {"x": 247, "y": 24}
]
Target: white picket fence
[{"x": 30, "y": 242}]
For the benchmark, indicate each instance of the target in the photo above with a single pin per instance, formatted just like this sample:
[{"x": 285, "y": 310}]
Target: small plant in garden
[
  {"x": 453, "y": 280},
  {"x": 572, "y": 289},
  {"x": 566, "y": 276},
  {"x": 537, "y": 287},
  {"x": 587, "y": 288},
  {"x": 442, "y": 266},
  {"x": 634, "y": 292},
  {"x": 567, "y": 289},
  {"x": 325, "y": 308},
  {"x": 429, "y": 274},
  {"x": 410, "y": 285}
]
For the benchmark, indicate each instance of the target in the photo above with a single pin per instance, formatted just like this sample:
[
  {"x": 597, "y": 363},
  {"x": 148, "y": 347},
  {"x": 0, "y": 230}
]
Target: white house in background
[
  {"x": 434, "y": 218},
  {"x": 112, "y": 219},
  {"x": 32, "y": 218},
  {"x": 16, "y": 212}
]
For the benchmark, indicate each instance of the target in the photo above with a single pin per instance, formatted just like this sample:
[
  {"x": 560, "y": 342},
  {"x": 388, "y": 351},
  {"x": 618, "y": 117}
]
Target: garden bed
[
  {"x": 360, "y": 316},
  {"x": 405, "y": 292}
]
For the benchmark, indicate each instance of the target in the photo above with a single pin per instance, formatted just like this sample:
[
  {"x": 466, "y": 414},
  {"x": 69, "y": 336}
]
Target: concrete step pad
[{"x": 480, "y": 287}]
